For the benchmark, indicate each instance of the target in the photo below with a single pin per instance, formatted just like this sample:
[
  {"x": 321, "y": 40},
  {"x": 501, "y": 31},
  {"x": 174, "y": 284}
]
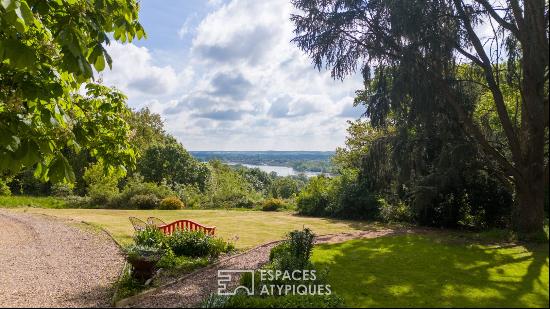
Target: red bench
[{"x": 186, "y": 225}]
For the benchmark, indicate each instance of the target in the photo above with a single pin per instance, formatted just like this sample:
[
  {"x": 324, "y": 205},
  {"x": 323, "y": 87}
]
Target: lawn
[
  {"x": 245, "y": 228},
  {"x": 31, "y": 201},
  {"x": 435, "y": 271}
]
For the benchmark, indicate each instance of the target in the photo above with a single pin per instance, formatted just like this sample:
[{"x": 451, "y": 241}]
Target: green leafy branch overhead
[{"x": 49, "y": 102}]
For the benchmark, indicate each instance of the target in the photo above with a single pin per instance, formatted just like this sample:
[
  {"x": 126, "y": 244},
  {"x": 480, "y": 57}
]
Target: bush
[
  {"x": 398, "y": 212},
  {"x": 171, "y": 203},
  {"x": 61, "y": 190},
  {"x": 136, "y": 186},
  {"x": 4, "y": 189},
  {"x": 190, "y": 195},
  {"x": 197, "y": 244},
  {"x": 144, "y": 201},
  {"x": 150, "y": 237},
  {"x": 273, "y": 204},
  {"x": 316, "y": 197},
  {"x": 294, "y": 252}
]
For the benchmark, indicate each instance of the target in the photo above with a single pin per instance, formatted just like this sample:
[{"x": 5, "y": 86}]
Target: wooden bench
[{"x": 186, "y": 225}]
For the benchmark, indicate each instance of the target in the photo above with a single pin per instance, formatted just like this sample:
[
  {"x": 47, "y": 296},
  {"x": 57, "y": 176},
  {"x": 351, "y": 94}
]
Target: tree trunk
[
  {"x": 530, "y": 185},
  {"x": 529, "y": 219}
]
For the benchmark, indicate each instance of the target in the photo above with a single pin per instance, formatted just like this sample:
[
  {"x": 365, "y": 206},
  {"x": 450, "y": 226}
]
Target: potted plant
[{"x": 143, "y": 260}]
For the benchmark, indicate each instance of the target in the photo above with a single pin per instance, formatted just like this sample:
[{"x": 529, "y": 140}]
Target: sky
[{"x": 224, "y": 76}]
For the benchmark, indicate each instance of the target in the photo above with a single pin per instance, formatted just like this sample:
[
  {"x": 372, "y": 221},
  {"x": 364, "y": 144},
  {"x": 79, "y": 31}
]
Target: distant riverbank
[{"x": 280, "y": 170}]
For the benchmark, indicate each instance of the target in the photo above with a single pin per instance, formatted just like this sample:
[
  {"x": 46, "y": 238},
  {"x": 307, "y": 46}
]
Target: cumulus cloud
[
  {"x": 232, "y": 85},
  {"x": 242, "y": 84}
]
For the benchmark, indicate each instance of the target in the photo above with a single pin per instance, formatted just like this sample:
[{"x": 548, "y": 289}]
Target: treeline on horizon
[{"x": 301, "y": 161}]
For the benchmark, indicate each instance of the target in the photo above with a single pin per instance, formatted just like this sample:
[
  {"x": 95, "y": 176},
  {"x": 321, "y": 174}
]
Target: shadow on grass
[{"x": 414, "y": 271}]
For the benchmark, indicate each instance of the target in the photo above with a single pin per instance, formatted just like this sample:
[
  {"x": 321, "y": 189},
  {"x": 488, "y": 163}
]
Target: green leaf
[
  {"x": 99, "y": 63},
  {"x": 8, "y": 4},
  {"x": 61, "y": 170},
  {"x": 26, "y": 12}
]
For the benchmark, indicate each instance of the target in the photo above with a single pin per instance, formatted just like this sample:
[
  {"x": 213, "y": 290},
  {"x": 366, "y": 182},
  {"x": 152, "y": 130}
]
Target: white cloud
[
  {"x": 134, "y": 72},
  {"x": 243, "y": 84}
]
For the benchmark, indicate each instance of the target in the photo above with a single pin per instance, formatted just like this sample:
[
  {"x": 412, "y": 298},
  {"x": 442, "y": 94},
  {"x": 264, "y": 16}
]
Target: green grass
[
  {"x": 435, "y": 271},
  {"x": 245, "y": 229},
  {"x": 17, "y": 201}
]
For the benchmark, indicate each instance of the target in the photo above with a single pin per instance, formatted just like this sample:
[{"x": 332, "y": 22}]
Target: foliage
[
  {"x": 150, "y": 237},
  {"x": 4, "y": 189},
  {"x": 431, "y": 84},
  {"x": 227, "y": 188},
  {"x": 190, "y": 195},
  {"x": 101, "y": 187},
  {"x": 258, "y": 179},
  {"x": 61, "y": 190},
  {"x": 398, "y": 212},
  {"x": 44, "y": 62},
  {"x": 273, "y": 204},
  {"x": 316, "y": 197},
  {"x": 285, "y": 187},
  {"x": 140, "y": 252},
  {"x": 294, "y": 252},
  {"x": 144, "y": 201},
  {"x": 24, "y": 182},
  {"x": 171, "y": 203},
  {"x": 147, "y": 130},
  {"x": 196, "y": 244},
  {"x": 173, "y": 165},
  {"x": 343, "y": 196},
  {"x": 127, "y": 285},
  {"x": 290, "y": 255}
]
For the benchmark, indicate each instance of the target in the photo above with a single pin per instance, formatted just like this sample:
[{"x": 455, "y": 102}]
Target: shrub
[
  {"x": 273, "y": 204},
  {"x": 398, "y": 212},
  {"x": 197, "y": 244},
  {"x": 150, "y": 237},
  {"x": 102, "y": 188},
  {"x": 135, "y": 186},
  {"x": 294, "y": 252},
  {"x": 144, "y": 201},
  {"x": 189, "y": 243},
  {"x": 316, "y": 197},
  {"x": 219, "y": 246},
  {"x": 171, "y": 203},
  {"x": 61, "y": 190},
  {"x": 190, "y": 195},
  {"x": 4, "y": 189}
]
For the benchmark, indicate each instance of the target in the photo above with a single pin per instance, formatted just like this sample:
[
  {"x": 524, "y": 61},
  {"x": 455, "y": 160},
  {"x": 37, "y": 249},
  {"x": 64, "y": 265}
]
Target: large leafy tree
[
  {"x": 49, "y": 104},
  {"x": 426, "y": 44},
  {"x": 172, "y": 163}
]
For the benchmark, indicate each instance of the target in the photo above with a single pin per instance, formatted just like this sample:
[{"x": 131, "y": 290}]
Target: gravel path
[
  {"x": 190, "y": 290},
  {"x": 47, "y": 262}
]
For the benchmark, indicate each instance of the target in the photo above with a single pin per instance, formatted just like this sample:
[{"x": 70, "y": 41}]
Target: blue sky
[{"x": 224, "y": 76}]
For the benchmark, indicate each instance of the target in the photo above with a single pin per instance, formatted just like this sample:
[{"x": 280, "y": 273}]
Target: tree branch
[
  {"x": 498, "y": 98},
  {"x": 498, "y": 18}
]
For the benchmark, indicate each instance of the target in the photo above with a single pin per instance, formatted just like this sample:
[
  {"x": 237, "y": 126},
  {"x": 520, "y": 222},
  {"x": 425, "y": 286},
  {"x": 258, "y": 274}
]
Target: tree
[
  {"x": 172, "y": 163},
  {"x": 48, "y": 53},
  {"x": 147, "y": 130},
  {"x": 426, "y": 44}
]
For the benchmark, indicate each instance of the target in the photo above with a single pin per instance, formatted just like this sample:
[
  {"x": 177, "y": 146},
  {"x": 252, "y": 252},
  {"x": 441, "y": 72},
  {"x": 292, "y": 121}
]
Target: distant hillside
[{"x": 313, "y": 161}]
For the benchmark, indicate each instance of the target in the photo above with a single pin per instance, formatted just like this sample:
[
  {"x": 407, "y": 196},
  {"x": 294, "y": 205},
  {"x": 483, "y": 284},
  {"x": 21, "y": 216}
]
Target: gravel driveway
[
  {"x": 192, "y": 289},
  {"x": 47, "y": 262}
]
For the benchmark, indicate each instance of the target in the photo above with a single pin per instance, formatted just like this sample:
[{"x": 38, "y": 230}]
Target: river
[{"x": 280, "y": 170}]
